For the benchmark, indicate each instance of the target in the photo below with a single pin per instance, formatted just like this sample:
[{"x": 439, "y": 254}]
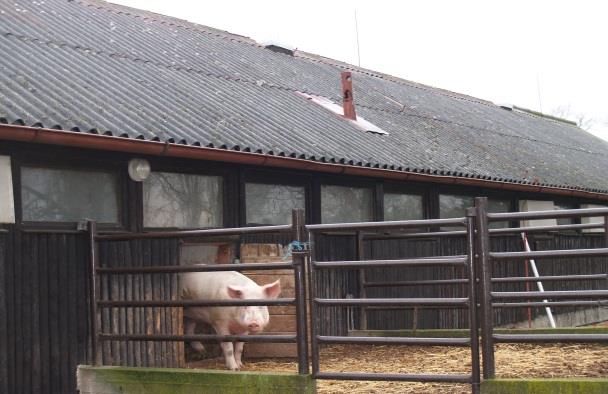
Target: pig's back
[{"x": 211, "y": 285}]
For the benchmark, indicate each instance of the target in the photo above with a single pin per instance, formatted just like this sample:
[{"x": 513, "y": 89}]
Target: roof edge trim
[{"x": 157, "y": 148}]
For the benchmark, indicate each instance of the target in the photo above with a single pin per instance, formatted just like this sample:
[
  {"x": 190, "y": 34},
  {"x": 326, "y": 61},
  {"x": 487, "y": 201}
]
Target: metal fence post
[
  {"x": 299, "y": 262},
  {"x": 362, "y": 282},
  {"x": 93, "y": 290},
  {"x": 484, "y": 275},
  {"x": 472, "y": 293}
]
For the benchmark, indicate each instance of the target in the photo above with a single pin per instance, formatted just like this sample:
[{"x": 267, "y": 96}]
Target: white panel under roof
[
  {"x": 536, "y": 205},
  {"x": 7, "y": 204}
]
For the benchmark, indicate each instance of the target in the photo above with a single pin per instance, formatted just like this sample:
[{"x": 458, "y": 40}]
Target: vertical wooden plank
[
  {"x": 53, "y": 283},
  {"x": 10, "y": 302},
  {"x": 35, "y": 263},
  {"x": 82, "y": 323},
  {"x": 4, "y": 342},
  {"x": 150, "y": 313},
  {"x": 26, "y": 315},
  {"x": 43, "y": 293},
  {"x": 72, "y": 316},
  {"x": 63, "y": 312}
]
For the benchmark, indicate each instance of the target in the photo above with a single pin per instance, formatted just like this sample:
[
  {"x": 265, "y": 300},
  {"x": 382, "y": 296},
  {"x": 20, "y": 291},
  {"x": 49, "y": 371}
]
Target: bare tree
[{"x": 581, "y": 119}]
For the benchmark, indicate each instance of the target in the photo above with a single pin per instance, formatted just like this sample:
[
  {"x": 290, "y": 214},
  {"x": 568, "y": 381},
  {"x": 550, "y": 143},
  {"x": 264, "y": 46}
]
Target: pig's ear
[
  {"x": 235, "y": 292},
  {"x": 273, "y": 289}
]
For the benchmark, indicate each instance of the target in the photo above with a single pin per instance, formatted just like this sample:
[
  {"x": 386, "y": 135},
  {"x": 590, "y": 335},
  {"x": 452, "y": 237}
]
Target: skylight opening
[{"x": 359, "y": 123}]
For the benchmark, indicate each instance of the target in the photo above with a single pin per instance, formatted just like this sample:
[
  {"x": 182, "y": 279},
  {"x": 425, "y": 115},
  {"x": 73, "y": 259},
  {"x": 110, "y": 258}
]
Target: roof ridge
[{"x": 307, "y": 55}]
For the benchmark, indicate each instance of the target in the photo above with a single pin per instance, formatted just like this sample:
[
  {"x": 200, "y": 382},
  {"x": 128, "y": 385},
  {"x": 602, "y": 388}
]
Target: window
[
  {"x": 453, "y": 206},
  {"x": 343, "y": 204},
  {"x": 182, "y": 200},
  {"x": 272, "y": 204},
  {"x": 498, "y": 206},
  {"x": 398, "y": 206},
  {"x": 560, "y": 205},
  {"x": 66, "y": 195}
]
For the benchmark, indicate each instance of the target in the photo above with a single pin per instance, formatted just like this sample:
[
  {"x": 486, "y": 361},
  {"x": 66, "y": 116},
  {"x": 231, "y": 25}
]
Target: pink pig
[{"x": 231, "y": 320}]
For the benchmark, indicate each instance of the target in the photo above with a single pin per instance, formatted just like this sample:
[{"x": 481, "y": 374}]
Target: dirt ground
[{"x": 512, "y": 361}]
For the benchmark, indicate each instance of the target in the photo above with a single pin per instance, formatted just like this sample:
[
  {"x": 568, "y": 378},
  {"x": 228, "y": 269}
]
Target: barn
[{"x": 143, "y": 123}]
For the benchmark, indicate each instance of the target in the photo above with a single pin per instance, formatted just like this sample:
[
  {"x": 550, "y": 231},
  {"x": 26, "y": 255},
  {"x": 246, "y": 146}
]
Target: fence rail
[
  {"x": 297, "y": 266},
  {"x": 474, "y": 269}
]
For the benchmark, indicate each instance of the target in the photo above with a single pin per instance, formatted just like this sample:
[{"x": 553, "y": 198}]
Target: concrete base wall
[
  {"x": 545, "y": 386},
  {"x": 571, "y": 319},
  {"x": 124, "y": 380}
]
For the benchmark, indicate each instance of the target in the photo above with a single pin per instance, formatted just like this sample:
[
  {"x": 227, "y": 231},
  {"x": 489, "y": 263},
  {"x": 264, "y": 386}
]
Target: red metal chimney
[{"x": 347, "y": 96}]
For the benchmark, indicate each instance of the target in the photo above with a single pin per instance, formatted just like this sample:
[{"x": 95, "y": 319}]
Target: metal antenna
[
  {"x": 540, "y": 103},
  {"x": 357, "y": 33}
]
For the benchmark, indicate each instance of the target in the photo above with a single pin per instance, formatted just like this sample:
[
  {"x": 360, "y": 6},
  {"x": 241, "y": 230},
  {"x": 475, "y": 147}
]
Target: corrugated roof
[{"x": 92, "y": 66}]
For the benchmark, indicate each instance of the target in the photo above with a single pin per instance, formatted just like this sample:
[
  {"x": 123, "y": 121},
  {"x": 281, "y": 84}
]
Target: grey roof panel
[{"x": 94, "y": 65}]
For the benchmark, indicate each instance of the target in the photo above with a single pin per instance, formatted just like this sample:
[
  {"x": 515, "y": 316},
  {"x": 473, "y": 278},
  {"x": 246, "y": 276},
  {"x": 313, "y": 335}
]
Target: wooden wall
[
  {"x": 337, "y": 284},
  {"x": 44, "y": 316},
  {"x": 141, "y": 320}
]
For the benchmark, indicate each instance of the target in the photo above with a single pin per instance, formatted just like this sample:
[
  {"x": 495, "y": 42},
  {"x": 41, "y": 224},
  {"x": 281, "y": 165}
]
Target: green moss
[
  {"x": 430, "y": 333},
  {"x": 545, "y": 386},
  {"x": 126, "y": 380}
]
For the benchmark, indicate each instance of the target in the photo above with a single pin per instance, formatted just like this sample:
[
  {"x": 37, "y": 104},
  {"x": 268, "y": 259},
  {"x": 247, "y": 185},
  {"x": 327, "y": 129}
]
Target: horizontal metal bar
[
  {"x": 540, "y": 254},
  {"x": 540, "y": 295},
  {"x": 393, "y": 377},
  {"x": 285, "y": 228},
  {"x": 547, "y": 338},
  {"x": 387, "y": 224},
  {"x": 167, "y": 269},
  {"x": 540, "y": 229},
  {"x": 552, "y": 278},
  {"x": 550, "y": 304},
  {"x": 432, "y": 234},
  {"x": 391, "y": 301},
  {"x": 199, "y": 337},
  {"x": 415, "y": 262},
  {"x": 562, "y": 213},
  {"x": 190, "y": 303},
  {"x": 437, "y": 282},
  {"x": 408, "y": 307},
  {"x": 394, "y": 341}
]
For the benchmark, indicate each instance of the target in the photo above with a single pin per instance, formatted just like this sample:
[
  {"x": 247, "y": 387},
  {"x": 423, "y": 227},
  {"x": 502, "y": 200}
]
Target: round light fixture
[{"x": 139, "y": 169}]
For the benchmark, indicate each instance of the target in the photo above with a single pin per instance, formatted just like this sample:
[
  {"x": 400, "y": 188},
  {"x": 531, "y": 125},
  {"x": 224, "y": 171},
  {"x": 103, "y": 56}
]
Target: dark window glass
[
  {"x": 399, "y": 206},
  {"x": 453, "y": 206},
  {"x": 66, "y": 195},
  {"x": 182, "y": 200},
  {"x": 272, "y": 204},
  {"x": 559, "y": 205},
  {"x": 343, "y": 204},
  {"x": 498, "y": 206}
]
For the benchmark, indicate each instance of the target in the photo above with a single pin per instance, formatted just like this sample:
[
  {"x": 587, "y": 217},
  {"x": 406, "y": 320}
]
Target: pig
[{"x": 231, "y": 320}]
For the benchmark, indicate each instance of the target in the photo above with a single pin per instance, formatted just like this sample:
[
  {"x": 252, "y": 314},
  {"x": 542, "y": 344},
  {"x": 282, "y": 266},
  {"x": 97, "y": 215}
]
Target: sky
[{"x": 548, "y": 56}]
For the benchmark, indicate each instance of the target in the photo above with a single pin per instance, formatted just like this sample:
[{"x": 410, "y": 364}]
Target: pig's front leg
[
  {"x": 189, "y": 327},
  {"x": 238, "y": 353},
  {"x": 227, "y": 347}
]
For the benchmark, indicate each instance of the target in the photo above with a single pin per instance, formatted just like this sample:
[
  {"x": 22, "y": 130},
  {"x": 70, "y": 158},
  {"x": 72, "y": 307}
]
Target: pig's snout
[{"x": 254, "y": 327}]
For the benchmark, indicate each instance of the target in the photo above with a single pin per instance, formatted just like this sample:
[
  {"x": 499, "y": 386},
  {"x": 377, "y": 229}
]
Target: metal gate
[{"x": 468, "y": 302}]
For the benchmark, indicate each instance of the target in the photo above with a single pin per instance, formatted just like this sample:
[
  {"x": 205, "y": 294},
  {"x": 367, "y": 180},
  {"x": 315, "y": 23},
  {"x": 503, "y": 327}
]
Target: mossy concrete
[
  {"x": 441, "y": 333},
  {"x": 126, "y": 380},
  {"x": 545, "y": 386}
]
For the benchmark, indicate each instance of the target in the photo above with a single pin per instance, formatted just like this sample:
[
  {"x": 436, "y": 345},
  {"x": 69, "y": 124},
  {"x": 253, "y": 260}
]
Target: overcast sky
[{"x": 535, "y": 54}]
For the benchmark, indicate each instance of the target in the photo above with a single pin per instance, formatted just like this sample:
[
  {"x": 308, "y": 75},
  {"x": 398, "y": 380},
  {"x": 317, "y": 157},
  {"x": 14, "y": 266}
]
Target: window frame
[
  {"x": 118, "y": 168},
  {"x": 376, "y": 189},
  {"x": 269, "y": 177},
  {"x": 195, "y": 169},
  {"x": 410, "y": 189}
]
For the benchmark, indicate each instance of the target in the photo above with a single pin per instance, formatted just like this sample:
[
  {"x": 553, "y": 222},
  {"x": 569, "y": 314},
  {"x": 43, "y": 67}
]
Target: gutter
[{"x": 154, "y": 148}]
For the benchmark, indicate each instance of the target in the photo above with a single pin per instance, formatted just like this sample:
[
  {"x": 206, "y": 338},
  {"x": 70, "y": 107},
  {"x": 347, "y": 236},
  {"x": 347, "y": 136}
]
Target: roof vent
[
  {"x": 347, "y": 96},
  {"x": 279, "y": 47}
]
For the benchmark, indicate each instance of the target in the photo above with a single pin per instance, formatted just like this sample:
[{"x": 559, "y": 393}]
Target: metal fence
[
  {"x": 475, "y": 277},
  {"x": 468, "y": 302},
  {"x": 490, "y": 299},
  {"x": 297, "y": 265}
]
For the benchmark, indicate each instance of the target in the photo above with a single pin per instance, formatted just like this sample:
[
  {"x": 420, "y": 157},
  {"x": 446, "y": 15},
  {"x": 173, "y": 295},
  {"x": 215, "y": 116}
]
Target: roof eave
[{"x": 155, "y": 148}]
